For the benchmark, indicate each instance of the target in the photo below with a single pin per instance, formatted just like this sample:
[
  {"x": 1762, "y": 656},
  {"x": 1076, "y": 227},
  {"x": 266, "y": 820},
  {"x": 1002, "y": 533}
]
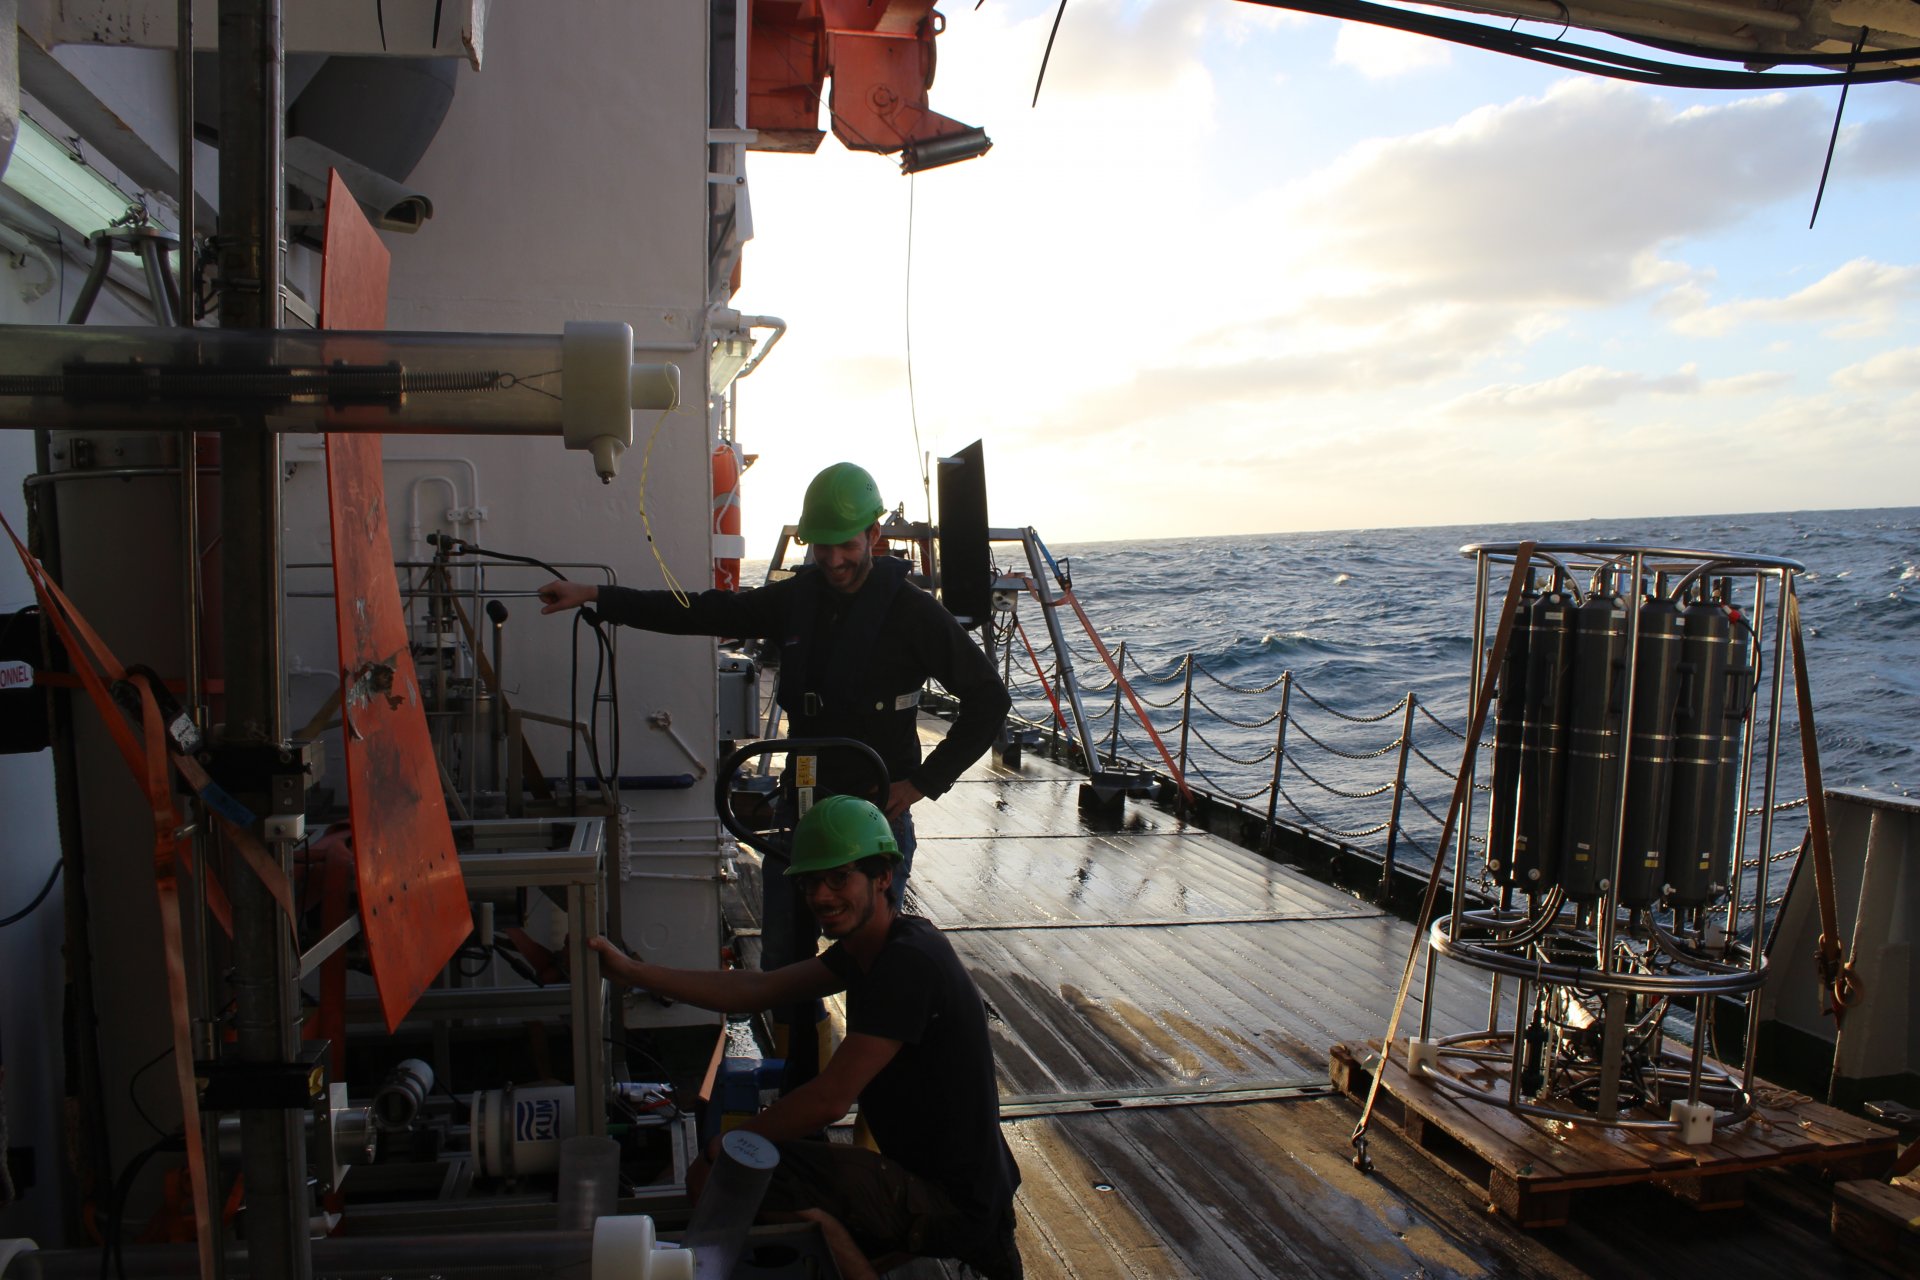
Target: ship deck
[{"x": 1162, "y": 1004}]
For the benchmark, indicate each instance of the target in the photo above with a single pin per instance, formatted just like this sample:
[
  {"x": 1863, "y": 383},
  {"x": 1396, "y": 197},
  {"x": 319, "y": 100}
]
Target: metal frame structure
[{"x": 1623, "y": 959}]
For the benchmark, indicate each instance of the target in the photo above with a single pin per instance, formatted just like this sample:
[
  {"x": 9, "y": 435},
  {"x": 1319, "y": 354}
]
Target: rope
[
  {"x": 1238, "y": 724},
  {"x": 1240, "y": 688},
  {"x": 1336, "y": 751},
  {"x": 1344, "y": 795},
  {"x": 1438, "y": 723},
  {"x": 1302, "y": 691},
  {"x": 1227, "y": 755}
]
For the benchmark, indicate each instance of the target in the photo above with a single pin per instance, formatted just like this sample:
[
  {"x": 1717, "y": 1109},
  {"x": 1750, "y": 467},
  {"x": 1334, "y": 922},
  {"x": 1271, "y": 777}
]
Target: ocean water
[{"x": 1361, "y": 617}]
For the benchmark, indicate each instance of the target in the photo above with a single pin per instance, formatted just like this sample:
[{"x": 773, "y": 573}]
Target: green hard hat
[
  {"x": 839, "y": 830},
  {"x": 841, "y": 503}
]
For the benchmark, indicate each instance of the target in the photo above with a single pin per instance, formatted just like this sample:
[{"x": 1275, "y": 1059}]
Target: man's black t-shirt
[{"x": 935, "y": 1107}]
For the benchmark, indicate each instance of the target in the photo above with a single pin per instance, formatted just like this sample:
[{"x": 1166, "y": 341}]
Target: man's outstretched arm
[
  {"x": 831, "y": 1094},
  {"x": 722, "y": 990}
]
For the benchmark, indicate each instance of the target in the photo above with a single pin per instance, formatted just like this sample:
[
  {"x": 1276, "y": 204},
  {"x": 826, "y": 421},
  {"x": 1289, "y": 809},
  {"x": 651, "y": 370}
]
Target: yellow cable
[{"x": 646, "y": 461}]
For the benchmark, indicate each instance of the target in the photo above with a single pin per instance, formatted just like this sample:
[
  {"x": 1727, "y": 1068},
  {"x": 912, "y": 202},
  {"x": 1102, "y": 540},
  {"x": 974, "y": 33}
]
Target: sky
[{"x": 1246, "y": 271}]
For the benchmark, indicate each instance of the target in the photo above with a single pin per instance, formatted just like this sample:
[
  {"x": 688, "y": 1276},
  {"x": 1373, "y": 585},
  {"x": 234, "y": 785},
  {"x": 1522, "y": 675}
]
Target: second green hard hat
[
  {"x": 841, "y": 503},
  {"x": 839, "y": 830}
]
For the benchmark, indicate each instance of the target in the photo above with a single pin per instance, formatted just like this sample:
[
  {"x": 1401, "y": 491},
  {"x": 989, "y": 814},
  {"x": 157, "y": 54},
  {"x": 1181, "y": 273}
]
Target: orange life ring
[{"x": 726, "y": 511}]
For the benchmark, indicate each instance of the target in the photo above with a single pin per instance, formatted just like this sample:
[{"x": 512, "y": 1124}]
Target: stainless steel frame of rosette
[{"x": 1621, "y": 886}]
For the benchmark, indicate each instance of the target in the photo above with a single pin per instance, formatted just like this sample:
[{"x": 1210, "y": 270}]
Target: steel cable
[
  {"x": 1328, "y": 787},
  {"x": 1227, "y": 755},
  {"x": 1305, "y": 693},
  {"x": 1212, "y": 785},
  {"x": 1345, "y": 755},
  {"x": 1239, "y": 688},
  {"x": 1238, "y": 724},
  {"x": 1429, "y": 762},
  {"x": 1438, "y": 723},
  {"x": 1314, "y": 822}
]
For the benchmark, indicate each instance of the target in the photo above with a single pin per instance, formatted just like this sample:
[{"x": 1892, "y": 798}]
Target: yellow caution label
[{"x": 804, "y": 770}]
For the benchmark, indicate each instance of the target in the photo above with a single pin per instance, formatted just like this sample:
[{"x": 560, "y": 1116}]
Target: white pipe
[
  {"x": 27, "y": 251},
  {"x": 415, "y": 533},
  {"x": 774, "y": 323}
]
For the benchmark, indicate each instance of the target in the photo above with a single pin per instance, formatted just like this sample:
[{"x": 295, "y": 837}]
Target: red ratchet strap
[
  {"x": 232, "y": 818},
  {"x": 1140, "y": 712},
  {"x": 1042, "y": 676},
  {"x": 169, "y": 842},
  {"x": 148, "y": 763}
]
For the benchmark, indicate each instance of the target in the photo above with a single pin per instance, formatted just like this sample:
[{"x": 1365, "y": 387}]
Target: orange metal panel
[{"x": 413, "y": 901}]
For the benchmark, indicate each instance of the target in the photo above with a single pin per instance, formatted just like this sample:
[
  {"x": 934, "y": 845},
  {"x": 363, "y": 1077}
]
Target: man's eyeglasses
[{"x": 835, "y": 879}]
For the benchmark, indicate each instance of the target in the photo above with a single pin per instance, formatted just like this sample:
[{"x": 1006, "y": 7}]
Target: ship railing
[{"x": 1287, "y": 763}]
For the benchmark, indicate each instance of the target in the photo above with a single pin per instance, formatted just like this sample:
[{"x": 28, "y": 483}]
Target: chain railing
[{"x": 1298, "y": 760}]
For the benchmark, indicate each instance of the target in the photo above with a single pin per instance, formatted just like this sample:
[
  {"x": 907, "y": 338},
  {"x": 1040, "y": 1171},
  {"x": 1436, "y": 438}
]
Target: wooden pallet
[
  {"x": 1879, "y": 1222},
  {"x": 1530, "y": 1168}
]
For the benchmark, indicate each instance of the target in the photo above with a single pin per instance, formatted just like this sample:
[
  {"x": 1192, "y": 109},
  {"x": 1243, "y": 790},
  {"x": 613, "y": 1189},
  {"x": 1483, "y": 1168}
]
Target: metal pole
[
  {"x": 1186, "y": 718},
  {"x": 1481, "y": 563},
  {"x": 252, "y": 110},
  {"x": 1063, "y": 661},
  {"x": 1757, "y": 946},
  {"x": 1400, "y": 790},
  {"x": 183, "y": 80},
  {"x": 1279, "y": 757},
  {"x": 1113, "y": 738}
]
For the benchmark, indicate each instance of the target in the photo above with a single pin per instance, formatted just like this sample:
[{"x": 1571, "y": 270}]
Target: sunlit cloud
[
  {"x": 1897, "y": 370},
  {"x": 1589, "y": 387},
  {"x": 1381, "y": 53},
  {"x": 1859, "y": 298}
]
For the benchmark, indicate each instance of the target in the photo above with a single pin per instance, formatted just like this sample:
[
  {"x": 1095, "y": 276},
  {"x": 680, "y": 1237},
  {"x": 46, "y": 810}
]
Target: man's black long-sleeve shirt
[{"x": 916, "y": 638}]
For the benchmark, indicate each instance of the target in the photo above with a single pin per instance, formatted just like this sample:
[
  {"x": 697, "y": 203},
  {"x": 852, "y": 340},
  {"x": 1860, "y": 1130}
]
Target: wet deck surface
[{"x": 1162, "y": 1003}]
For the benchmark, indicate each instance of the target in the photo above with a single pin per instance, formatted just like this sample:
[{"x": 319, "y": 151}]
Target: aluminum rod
[
  {"x": 1044, "y": 591},
  {"x": 1757, "y": 947},
  {"x": 1606, "y": 910},
  {"x": 252, "y": 194}
]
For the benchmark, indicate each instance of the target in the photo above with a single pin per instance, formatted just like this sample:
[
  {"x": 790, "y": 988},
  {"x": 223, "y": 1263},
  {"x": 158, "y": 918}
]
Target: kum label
[{"x": 536, "y": 1120}]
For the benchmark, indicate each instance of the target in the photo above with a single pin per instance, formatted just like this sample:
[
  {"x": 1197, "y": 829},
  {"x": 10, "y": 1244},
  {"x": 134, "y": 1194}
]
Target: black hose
[{"x": 38, "y": 898}]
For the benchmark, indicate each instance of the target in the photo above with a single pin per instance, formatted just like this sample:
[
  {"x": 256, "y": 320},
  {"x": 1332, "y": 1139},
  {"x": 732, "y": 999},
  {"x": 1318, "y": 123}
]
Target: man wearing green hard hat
[
  {"x": 917, "y": 1058},
  {"x": 857, "y": 641}
]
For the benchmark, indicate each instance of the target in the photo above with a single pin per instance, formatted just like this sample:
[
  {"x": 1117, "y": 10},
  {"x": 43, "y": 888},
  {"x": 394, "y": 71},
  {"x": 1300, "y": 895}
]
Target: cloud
[
  {"x": 1585, "y": 388},
  {"x": 1890, "y": 370},
  {"x": 1508, "y": 202},
  {"x": 1747, "y": 384},
  {"x": 1857, "y": 298},
  {"x": 1380, "y": 53},
  {"x": 1105, "y": 47}
]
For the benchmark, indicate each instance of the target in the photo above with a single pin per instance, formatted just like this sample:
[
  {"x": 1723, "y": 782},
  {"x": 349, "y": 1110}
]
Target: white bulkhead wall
[{"x": 569, "y": 183}]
